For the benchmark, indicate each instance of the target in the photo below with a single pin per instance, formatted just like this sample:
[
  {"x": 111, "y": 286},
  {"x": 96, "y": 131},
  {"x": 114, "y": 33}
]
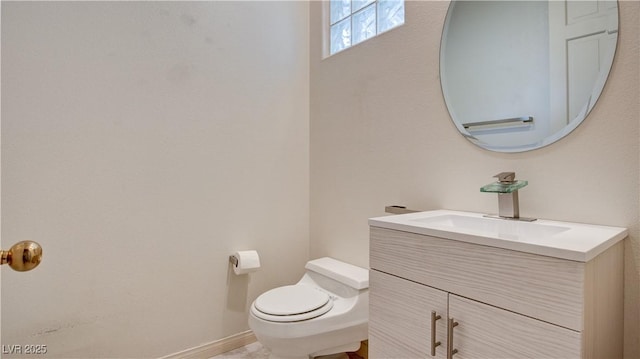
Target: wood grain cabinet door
[
  {"x": 487, "y": 332},
  {"x": 400, "y": 319}
]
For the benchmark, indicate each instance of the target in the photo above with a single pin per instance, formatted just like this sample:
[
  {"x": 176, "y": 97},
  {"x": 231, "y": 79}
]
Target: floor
[{"x": 251, "y": 351}]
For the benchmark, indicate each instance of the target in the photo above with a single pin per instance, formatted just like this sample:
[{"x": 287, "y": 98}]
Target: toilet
[{"x": 326, "y": 312}]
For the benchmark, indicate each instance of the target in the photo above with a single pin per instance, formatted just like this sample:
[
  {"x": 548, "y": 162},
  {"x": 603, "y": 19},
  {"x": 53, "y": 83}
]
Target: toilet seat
[{"x": 292, "y": 303}]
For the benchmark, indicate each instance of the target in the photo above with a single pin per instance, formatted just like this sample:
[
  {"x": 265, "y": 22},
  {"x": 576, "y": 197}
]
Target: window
[{"x": 353, "y": 21}]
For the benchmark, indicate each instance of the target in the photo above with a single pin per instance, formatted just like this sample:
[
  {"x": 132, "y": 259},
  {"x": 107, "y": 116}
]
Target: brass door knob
[{"x": 22, "y": 256}]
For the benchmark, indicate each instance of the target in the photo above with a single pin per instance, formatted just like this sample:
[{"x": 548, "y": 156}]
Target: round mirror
[{"x": 520, "y": 75}]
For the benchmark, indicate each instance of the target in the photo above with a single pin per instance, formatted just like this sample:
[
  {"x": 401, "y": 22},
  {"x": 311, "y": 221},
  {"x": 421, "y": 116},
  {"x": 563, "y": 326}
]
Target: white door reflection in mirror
[{"x": 583, "y": 38}]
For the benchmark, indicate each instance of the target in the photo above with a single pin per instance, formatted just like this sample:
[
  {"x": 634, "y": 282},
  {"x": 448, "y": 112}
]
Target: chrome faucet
[
  {"x": 507, "y": 189},
  {"x": 506, "y": 177}
]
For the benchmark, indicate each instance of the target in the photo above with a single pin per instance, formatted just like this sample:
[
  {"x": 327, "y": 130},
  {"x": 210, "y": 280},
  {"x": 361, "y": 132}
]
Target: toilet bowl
[{"x": 326, "y": 312}]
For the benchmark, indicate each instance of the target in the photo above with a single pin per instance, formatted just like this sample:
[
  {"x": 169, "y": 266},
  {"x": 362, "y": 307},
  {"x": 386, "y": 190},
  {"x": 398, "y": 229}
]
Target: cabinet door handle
[
  {"x": 434, "y": 344},
  {"x": 450, "y": 351}
]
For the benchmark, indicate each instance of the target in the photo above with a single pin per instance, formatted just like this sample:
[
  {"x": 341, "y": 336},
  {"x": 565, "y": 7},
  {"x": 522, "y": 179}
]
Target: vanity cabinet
[{"x": 492, "y": 302}]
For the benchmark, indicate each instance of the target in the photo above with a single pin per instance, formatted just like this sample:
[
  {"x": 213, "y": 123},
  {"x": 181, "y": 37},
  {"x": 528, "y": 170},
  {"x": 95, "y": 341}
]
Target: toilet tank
[{"x": 345, "y": 273}]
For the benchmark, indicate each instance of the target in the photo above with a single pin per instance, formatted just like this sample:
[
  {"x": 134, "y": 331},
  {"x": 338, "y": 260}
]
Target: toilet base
[
  {"x": 336, "y": 352},
  {"x": 273, "y": 356},
  {"x": 324, "y": 343},
  {"x": 332, "y": 356}
]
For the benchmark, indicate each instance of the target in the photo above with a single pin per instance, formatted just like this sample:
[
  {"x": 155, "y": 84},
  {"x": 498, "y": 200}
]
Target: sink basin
[
  {"x": 491, "y": 226},
  {"x": 573, "y": 241}
]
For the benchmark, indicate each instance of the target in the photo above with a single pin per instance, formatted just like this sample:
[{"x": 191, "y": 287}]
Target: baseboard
[{"x": 209, "y": 350}]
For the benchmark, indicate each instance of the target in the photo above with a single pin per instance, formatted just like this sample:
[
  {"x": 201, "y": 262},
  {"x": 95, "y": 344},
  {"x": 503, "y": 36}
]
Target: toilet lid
[
  {"x": 292, "y": 303},
  {"x": 291, "y": 299}
]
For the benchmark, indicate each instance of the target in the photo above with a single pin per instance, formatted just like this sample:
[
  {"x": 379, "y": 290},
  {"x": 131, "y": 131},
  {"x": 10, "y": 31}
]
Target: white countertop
[{"x": 572, "y": 241}]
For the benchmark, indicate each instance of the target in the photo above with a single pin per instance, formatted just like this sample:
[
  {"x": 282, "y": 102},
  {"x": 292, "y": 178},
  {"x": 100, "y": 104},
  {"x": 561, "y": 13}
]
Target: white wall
[
  {"x": 381, "y": 135},
  {"x": 142, "y": 143}
]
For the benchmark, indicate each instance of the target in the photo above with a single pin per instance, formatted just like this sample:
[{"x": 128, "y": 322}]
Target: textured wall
[
  {"x": 142, "y": 143},
  {"x": 381, "y": 135}
]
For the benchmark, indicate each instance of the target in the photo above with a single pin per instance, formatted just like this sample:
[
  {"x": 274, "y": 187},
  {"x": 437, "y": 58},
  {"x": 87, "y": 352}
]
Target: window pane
[
  {"x": 339, "y": 10},
  {"x": 390, "y": 14},
  {"x": 359, "y": 4},
  {"x": 341, "y": 35},
  {"x": 364, "y": 24}
]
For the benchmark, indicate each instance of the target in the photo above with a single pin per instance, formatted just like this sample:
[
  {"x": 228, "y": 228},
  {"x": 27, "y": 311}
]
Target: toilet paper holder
[
  {"x": 245, "y": 262},
  {"x": 233, "y": 260}
]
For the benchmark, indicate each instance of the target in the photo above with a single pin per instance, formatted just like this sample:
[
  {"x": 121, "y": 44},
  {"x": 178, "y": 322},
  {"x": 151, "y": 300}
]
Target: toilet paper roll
[{"x": 248, "y": 261}]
